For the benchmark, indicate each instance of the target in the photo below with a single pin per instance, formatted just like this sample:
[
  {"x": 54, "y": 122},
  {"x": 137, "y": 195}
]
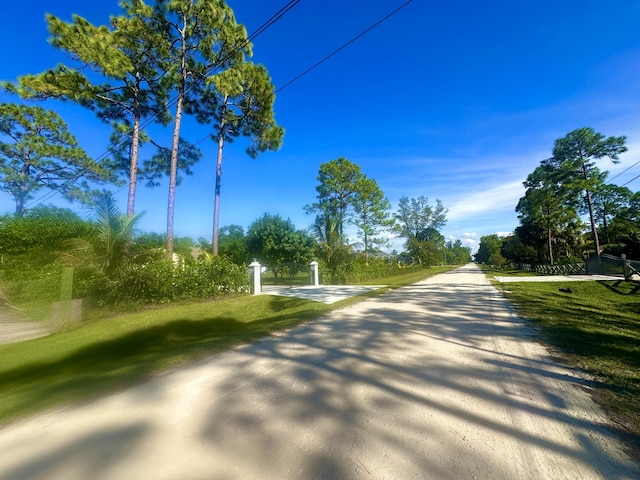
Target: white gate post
[
  {"x": 314, "y": 274},
  {"x": 255, "y": 277}
]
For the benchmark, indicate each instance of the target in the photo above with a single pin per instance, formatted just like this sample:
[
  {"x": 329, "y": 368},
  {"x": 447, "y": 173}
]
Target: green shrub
[
  {"x": 356, "y": 270},
  {"x": 159, "y": 281}
]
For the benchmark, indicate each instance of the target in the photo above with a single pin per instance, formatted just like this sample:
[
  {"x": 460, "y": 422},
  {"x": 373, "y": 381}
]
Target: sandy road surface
[
  {"x": 15, "y": 329},
  {"x": 438, "y": 380}
]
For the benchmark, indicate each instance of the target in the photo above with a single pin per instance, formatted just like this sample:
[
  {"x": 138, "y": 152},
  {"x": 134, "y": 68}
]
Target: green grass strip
[{"x": 596, "y": 327}]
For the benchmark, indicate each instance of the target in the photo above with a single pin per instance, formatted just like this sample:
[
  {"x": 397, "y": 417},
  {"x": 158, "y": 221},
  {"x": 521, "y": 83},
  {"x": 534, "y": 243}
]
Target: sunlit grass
[{"x": 595, "y": 326}]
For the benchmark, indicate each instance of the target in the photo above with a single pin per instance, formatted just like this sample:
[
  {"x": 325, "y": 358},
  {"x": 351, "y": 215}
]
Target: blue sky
[{"x": 455, "y": 100}]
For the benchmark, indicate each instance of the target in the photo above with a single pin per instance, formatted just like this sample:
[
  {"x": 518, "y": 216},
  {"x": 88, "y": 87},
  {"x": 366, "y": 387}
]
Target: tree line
[
  {"x": 115, "y": 263},
  {"x": 569, "y": 211},
  {"x": 151, "y": 65}
]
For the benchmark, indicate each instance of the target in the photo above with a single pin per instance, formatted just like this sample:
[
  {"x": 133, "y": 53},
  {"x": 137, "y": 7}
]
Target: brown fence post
[{"x": 625, "y": 266}]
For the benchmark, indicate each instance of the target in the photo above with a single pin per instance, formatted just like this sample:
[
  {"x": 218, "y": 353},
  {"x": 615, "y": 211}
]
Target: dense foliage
[
  {"x": 196, "y": 55},
  {"x": 160, "y": 281},
  {"x": 111, "y": 265},
  {"x": 275, "y": 242},
  {"x": 569, "y": 211},
  {"x": 151, "y": 62}
]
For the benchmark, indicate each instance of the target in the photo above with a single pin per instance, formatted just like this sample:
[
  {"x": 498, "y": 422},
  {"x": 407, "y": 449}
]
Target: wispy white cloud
[{"x": 495, "y": 199}]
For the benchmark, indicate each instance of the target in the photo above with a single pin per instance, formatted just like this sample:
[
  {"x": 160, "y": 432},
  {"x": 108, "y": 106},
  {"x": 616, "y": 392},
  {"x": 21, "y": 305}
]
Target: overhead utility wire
[
  {"x": 342, "y": 47},
  {"x": 270, "y": 22},
  {"x": 266, "y": 25},
  {"x": 624, "y": 171},
  {"x": 634, "y": 178}
]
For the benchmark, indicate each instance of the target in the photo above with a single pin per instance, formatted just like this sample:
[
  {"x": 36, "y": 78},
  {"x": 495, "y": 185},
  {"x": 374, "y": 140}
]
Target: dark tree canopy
[
  {"x": 574, "y": 159},
  {"x": 37, "y": 152},
  {"x": 273, "y": 241}
]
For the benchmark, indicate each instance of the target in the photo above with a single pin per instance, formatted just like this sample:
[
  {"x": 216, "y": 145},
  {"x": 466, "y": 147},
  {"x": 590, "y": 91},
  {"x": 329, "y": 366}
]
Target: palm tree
[
  {"x": 331, "y": 245},
  {"x": 108, "y": 248},
  {"x": 114, "y": 234}
]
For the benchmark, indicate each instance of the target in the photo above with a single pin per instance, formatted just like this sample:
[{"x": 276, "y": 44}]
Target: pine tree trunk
[
  {"x": 133, "y": 165},
  {"x": 592, "y": 217},
  {"x": 175, "y": 144},
  {"x": 216, "y": 200},
  {"x": 20, "y": 205},
  {"x": 604, "y": 225},
  {"x": 366, "y": 248},
  {"x": 173, "y": 175},
  {"x": 594, "y": 230}
]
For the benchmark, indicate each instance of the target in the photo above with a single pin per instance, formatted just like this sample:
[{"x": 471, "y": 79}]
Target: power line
[
  {"x": 320, "y": 62},
  {"x": 364, "y": 32},
  {"x": 625, "y": 171},
  {"x": 634, "y": 178},
  {"x": 266, "y": 25}
]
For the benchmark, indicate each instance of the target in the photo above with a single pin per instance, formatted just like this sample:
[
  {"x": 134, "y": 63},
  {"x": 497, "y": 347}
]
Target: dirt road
[
  {"x": 438, "y": 380},
  {"x": 13, "y": 328}
]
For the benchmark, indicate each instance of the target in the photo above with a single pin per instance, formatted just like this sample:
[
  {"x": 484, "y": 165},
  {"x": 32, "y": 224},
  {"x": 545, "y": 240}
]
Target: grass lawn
[
  {"x": 113, "y": 352},
  {"x": 596, "y": 328}
]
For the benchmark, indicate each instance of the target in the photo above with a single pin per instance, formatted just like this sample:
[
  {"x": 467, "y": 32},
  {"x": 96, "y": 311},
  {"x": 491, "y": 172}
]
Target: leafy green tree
[
  {"x": 233, "y": 244},
  {"x": 420, "y": 223},
  {"x": 239, "y": 102},
  {"x": 574, "y": 156},
  {"x": 338, "y": 182},
  {"x": 625, "y": 227},
  {"x": 274, "y": 241},
  {"x": 489, "y": 250},
  {"x": 546, "y": 206},
  {"x": 129, "y": 88},
  {"x": 37, "y": 151},
  {"x": 513, "y": 249},
  {"x": 433, "y": 248},
  {"x": 456, "y": 253},
  {"x": 371, "y": 212},
  {"x": 609, "y": 201},
  {"x": 201, "y": 38}
]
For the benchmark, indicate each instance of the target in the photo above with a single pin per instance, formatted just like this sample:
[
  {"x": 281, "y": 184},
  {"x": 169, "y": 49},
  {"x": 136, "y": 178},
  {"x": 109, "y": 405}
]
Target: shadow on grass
[
  {"x": 622, "y": 288},
  {"x": 117, "y": 362},
  {"x": 596, "y": 327}
]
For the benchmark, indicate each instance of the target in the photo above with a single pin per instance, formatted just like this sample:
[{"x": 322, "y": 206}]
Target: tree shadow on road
[{"x": 372, "y": 377}]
